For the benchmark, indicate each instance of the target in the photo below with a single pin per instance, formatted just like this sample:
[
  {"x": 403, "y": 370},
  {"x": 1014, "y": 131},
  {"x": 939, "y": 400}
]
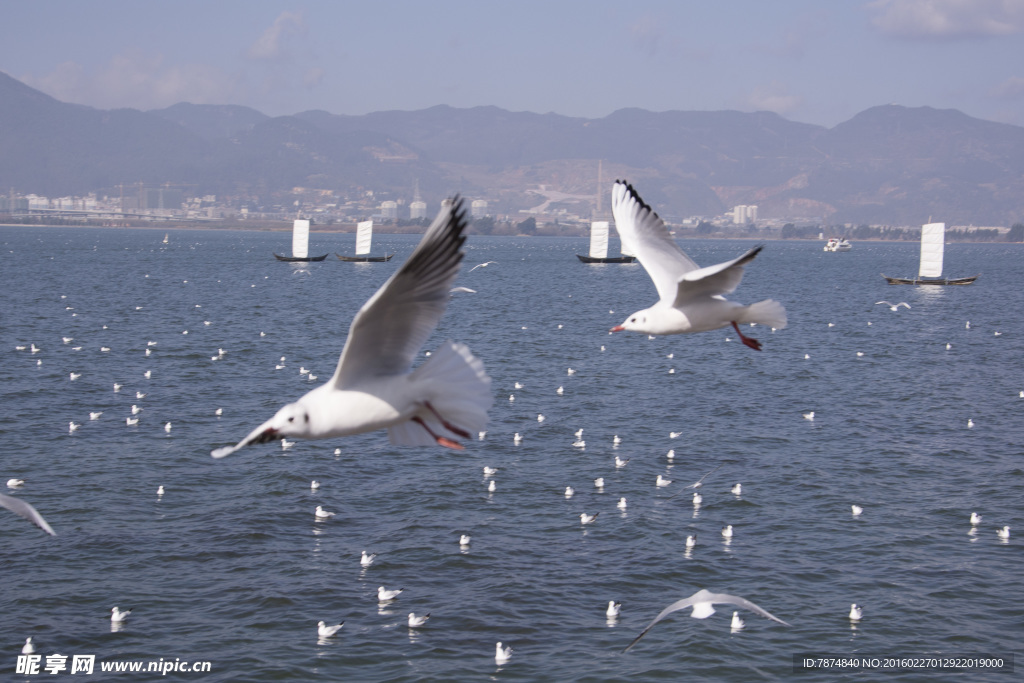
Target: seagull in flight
[
  {"x": 20, "y": 507},
  {"x": 374, "y": 386},
  {"x": 893, "y": 307},
  {"x": 691, "y": 298},
  {"x": 481, "y": 265},
  {"x": 703, "y": 602}
]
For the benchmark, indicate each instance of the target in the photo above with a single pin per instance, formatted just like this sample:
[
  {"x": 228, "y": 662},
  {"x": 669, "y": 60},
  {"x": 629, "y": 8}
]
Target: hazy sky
[{"x": 808, "y": 60}]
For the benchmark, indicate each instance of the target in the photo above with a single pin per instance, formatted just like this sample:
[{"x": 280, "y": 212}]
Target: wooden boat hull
[
  {"x": 930, "y": 280},
  {"x": 365, "y": 259},
  {"x": 608, "y": 259},
  {"x": 299, "y": 260}
]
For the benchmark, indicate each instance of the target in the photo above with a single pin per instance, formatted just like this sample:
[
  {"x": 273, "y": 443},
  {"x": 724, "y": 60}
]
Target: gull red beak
[{"x": 617, "y": 328}]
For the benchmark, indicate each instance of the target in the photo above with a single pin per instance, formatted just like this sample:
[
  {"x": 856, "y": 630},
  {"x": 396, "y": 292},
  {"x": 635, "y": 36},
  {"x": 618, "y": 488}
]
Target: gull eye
[
  {"x": 291, "y": 419},
  {"x": 632, "y": 320}
]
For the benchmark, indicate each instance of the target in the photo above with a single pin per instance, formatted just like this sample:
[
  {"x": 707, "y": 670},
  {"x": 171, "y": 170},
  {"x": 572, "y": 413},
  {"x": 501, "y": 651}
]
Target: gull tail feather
[
  {"x": 457, "y": 388},
  {"x": 768, "y": 312}
]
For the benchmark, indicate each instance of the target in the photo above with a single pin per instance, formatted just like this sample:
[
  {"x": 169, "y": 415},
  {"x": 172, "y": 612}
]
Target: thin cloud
[
  {"x": 646, "y": 35},
  {"x": 272, "y": 45},
  {"x": 774, "y": 97},
  {"x": 1010, "y": 89},
  {"x": 947, "y": 18},
  {"x": 137, "y": 80}
]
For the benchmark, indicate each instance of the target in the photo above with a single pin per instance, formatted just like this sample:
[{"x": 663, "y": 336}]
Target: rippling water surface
[{"x": 229, "y": 565}]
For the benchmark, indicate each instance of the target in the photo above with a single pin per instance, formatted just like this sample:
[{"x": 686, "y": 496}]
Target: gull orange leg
[
  {"x": 447, "y": 425},
  {"x": 441, "y": 441},
  {"x": 749, "y": 341}
]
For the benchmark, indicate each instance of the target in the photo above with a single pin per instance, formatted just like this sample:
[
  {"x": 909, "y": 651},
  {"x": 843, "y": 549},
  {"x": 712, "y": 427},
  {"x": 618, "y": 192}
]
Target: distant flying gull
[
  {"x": 703, "y": 602},
  {"x": 325, "y": 631},
  {"x": 481, "y": 265},
  {"x": 893, "y": 307},
  {"x": 697, "y": 484},
  {"x": 691, "y": 297},
  {"x": 20, "y": 507},
  {"x": 373, "y": 387}
]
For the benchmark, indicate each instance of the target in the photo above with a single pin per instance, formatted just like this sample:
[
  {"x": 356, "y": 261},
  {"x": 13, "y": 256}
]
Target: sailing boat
[
  {"x": 300, "y": 243},
  {"x": 364, "y": 236},
  {"x": 933, "y": 240},
  {"x": 599, "y": 246}
]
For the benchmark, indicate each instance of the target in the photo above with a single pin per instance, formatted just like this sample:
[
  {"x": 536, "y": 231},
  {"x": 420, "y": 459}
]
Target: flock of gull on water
[{"x": 447, "y": 397}]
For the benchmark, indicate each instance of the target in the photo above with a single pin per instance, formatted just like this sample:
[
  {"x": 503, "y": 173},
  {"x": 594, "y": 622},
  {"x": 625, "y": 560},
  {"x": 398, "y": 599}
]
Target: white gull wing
[
  {"x": 390, "y": 328},
  {"x": 644, "y": 234},
  {"x": 716, "y": 280},
  {"x": 20, "y": 507},
  {"x": 705, "y": 597}
]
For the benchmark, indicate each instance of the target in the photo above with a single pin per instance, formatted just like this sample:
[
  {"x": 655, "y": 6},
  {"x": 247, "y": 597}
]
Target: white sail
[
  {"x": 364, "y": 236},
  {"x": 599, "y": 239},
  {"x": 933, "y": 236},
  {"x": 300, "y": 238}
]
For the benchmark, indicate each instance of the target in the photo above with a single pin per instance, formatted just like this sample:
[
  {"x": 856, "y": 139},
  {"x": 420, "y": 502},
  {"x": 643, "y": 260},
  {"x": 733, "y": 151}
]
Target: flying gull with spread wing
[
  {"x": 374, "y": 386},
  {"x": 691, "y": 298}
]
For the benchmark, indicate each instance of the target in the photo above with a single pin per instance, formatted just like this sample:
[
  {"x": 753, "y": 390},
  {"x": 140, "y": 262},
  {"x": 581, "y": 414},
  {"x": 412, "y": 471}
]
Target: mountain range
[{"x": 886, "y": 165}]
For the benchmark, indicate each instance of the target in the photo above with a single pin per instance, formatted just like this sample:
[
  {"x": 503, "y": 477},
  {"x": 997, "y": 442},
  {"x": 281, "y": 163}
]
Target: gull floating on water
[
  {"x": 372, "y": 387},
  {"x": 975, "y": 519},
  {"x": 314, "y": 485},
  {"x": 15, "y": 483},
  {"x": 856, "y": 613},
  {"x": 73, "y": 427},
  {"x": 1004, "y": 533},
  {"x": 613, "y": 608},
  {"x": 856, "y": 510},
  {"x": 117, "y": 615},
  {"x": 569, "y": 492},
  {"x": 621, "y": 504},
  {"x": 691, "y": 540},
  {"x": 384, "y": 595},
  {"x": 464, "y": 540},
  {"x": 727, "y": 531},
  {"x": 20, "y": 507},
  {"x": 490, "y": 471},
  {"x": 809, "y": 416},
  {"x": 703, "y": 602},
  {"x": 365, "y": 560},
  {"x": 325, "y": 631},
  {"x": 662, "y": 481},
  {"x": 697, "y": 499},
  {"x": 619, "y": 462},
  {"x": 737, "y": 489},
  {"x": 320, "y": 513},
  {"x": 736, "y": 624},
  {"x": 95, "y": 415},
  {"x": 415, "y": 621},
  {"x": 502, "y": 655},
  {"x": 691, "y": 298},
  {"x": 893, "y": 307},
  {"x": 599, "y": 483},
  {"x": 28, "y": 648},
  {"x": 588, "y": 519}
]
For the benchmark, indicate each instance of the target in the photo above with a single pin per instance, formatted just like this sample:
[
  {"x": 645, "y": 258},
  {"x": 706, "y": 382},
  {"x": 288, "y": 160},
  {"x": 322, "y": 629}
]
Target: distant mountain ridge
[{"x": 888, "y": 164}]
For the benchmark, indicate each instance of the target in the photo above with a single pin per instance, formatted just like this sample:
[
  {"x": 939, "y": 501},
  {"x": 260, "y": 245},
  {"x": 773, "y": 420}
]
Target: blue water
[{"x": 229, "y": 565}]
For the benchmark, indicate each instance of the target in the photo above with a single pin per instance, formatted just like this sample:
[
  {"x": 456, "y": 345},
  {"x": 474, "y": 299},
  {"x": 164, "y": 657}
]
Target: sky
[{"x": 807, "y": 60}]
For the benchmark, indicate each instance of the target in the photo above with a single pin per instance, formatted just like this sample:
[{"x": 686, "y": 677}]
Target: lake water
[{"x": 229, "y": 565}]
